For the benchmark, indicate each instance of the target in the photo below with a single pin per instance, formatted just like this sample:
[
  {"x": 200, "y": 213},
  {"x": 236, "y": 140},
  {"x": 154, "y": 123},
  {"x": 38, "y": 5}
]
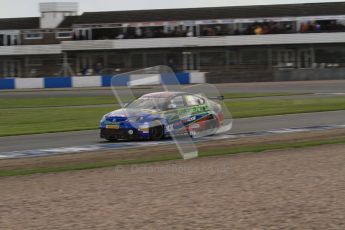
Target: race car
[{"x": 159, "y": 115}]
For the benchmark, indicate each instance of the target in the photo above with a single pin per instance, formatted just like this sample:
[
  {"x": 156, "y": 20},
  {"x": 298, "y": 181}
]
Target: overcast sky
[{"x": 29, "y": 8}]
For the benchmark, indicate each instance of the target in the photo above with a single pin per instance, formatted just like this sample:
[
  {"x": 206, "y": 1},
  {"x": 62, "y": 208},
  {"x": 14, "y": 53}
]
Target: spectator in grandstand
[
  {"x": 74, "y": 36},
  {"x": 84, "y": 70},
  {"x": 120, "y": 36},
  {"x": 237, "y": 32},
  {"x": 218, "y": 30},
  {"x": 258, "y": 30},
  {"x": 211, "y": 32},
  {"x": 204, "y": 32},
  {"x": 179, "y": 32},
  {"x": 190, "y": 33},
  {"x": 266, "y": 29},
  {"x": 287, "y": 28},
  {"x": 98, "y": 68},
  {"x": 89, "y": 72},
  {"x": 171, "y": 64},
  {"x": 317, "y": 27},
  {"x": 311, "y": 27},
  {"x": 138, "y": 32},
  {"x": 148, "y": 33},
  {"x": 304, "y": 28}
]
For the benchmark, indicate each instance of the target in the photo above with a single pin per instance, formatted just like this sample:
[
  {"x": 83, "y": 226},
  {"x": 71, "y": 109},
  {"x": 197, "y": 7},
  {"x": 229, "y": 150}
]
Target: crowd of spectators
[
  {"x": 267, "y": 27},
  {"x": 322, "y": 26},
  {"x": 256, "y": 28},
  {"x": 91, "y": 70},
  {"x": 156, "y": 32}
]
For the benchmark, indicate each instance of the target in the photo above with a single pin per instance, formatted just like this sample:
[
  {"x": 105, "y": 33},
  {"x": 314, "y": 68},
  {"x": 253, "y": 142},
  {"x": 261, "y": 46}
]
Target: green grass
[
  {"x": 44, "y": 120},
  {"x": 8, "y": 103},
  {"x": 253, "y": 95},
  {"x": 215, "y": 152},
  {"x": 264, "y": 107},
  {"x": 30, "y": 121}
]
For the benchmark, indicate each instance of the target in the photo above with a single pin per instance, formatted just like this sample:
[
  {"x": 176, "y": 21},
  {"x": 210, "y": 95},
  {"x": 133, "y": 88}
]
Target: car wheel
[
  {"x": 213, "y": 125},
  {"x": 157, "y": 133}
]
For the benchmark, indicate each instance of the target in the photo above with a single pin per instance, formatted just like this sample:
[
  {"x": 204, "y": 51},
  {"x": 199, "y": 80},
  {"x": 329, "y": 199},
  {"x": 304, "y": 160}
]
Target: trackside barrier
[
  {"x": 92, "y": 81},
  {"x": 58, "y": 82},
  {"x": 7, "y": 83},
  {"x": 96, "y": 81},
  {"x": 29, "y": 83}
]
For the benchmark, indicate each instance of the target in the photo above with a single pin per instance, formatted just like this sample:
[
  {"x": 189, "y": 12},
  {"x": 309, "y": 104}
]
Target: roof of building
[
  {"x": 19, "y": 23},
  {"x": 281, "y": 10},
  {"x": 259, "y": 11},
  {"x": 68, "y": 22}
]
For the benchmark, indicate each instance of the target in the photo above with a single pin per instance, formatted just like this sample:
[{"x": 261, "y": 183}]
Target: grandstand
[{"x": 228, "y": 44}]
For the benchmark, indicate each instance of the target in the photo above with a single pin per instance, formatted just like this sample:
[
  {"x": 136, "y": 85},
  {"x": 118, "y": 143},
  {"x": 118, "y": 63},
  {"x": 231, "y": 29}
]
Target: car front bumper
[{"x": 122, "y": 134}]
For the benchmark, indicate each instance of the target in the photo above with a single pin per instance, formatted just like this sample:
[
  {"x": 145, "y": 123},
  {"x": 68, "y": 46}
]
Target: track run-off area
[
  {"x": 84, "y": 141},
  {"x": 33, "y": 145}
]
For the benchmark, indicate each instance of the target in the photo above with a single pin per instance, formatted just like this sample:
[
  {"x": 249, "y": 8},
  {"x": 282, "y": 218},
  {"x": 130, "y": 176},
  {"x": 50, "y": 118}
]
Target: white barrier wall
[
  {"x": 98, "y": 81},
  {"x": 29, "y": 83},
  {"x": 92, "y": 81},
  {"x": 197, "y": 78}
]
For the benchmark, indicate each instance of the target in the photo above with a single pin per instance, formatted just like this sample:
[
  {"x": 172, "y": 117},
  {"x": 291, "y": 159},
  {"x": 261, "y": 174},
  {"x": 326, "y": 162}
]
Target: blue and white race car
[{"x": 158, "y": 115}]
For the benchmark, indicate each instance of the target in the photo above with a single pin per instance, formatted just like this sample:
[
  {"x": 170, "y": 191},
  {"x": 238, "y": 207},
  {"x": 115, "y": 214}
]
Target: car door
[
  {"x": 173, "y": 115},
  {"x": 196, "y": 108}
]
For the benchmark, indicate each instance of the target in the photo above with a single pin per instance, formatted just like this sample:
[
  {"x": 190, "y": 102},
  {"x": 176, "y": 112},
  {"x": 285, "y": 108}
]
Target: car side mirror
[{"x": 172, "y": 106}]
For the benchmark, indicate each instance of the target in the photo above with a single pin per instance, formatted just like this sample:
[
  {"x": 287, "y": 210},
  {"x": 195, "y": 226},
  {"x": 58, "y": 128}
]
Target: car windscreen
[{"x": 148, "y": 103}]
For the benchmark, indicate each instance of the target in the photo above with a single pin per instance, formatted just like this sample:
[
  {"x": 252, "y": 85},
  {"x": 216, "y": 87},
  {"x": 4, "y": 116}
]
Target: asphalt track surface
[{"x": 240, "y": 126}]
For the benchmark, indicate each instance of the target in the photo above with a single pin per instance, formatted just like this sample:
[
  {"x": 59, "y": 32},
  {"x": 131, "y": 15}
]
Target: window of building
[
  {"x": 332, "y": 55},
  {"x": 34, "y": 62},
  {"x": 116, "y": 61},
  {"x": 286, "y": 58},
  {"x": 254, "y": 57},
  {"x": 1, "y": 39},
  {"x": 137, "y": 61},
  {"x": 156, "y": 59},
  {"x": 64, "y": 34},
  {"x": 33, "y": 35},
  {"x": 305, "y": 58},
  {"x": 9, "y": 40},
  {"x": 212, "y": 59}
]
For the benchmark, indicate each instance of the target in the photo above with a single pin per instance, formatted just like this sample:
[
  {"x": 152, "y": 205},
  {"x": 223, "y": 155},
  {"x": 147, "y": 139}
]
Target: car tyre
[{"x": 157, "y": 133}]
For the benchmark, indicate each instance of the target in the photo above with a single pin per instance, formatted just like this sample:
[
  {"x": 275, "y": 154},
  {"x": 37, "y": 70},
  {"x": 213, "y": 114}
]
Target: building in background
[{"x": 231, "y": 44}]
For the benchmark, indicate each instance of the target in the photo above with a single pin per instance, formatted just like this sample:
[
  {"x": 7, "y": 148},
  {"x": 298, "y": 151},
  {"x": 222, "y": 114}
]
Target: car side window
[
  {"x": 193, "y": 100},
  {"x": 178, "y": 101}
]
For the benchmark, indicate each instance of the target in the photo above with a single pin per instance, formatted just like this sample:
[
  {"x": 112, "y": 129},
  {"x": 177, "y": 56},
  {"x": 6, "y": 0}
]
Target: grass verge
[
  {"x": 203, "y": 153},
  {"x": 11, "y": 103},
  {"x": 14, "y": 103},
  {"x": 264, "y": 107},
  {"x": 34, "y": 121}
]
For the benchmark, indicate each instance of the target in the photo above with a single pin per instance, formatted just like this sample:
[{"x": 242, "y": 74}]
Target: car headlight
[{"x": 103, "y": 118}]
